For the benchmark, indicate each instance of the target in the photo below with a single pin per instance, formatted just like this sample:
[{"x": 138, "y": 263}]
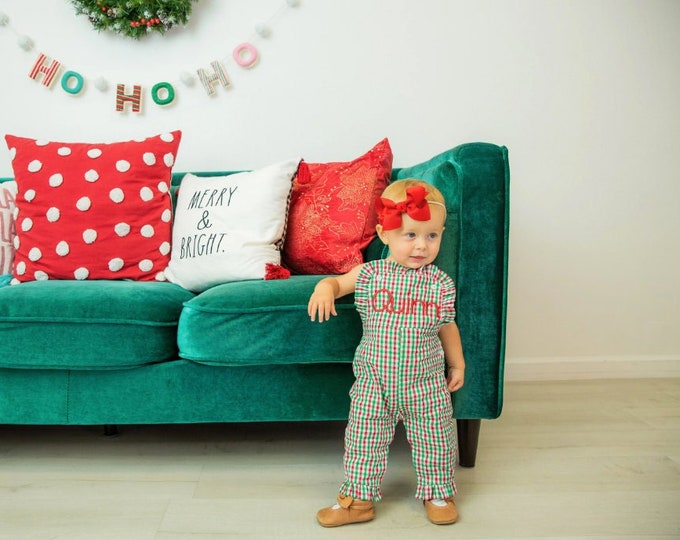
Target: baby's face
[{"x": 416, "y": 243}]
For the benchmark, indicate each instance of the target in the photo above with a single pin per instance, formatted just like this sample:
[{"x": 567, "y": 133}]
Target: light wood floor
[{"x": 573, "y": 459}]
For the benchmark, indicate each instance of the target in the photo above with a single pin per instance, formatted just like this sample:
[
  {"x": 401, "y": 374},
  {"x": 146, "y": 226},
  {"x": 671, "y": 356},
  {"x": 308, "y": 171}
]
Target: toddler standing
[{"x": 407, "y": 309}]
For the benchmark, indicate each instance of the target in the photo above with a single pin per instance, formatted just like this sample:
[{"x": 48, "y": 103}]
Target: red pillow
[
  {"x": 332, "y": 218},
  {"x": 93, "y": 211}
]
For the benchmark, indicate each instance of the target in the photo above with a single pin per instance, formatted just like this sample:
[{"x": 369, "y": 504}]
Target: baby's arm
[
  {"x": 322, "y": 301},
  {"x": 453, "y": 353}
]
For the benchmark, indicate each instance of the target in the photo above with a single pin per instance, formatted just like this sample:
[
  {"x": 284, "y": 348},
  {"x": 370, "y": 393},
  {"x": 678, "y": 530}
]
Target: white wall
[{"x": 583, "y": 92}]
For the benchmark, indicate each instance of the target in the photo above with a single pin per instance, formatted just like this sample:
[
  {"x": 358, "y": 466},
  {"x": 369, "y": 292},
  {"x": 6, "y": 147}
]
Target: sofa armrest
[{"x": 474, "y": 179}]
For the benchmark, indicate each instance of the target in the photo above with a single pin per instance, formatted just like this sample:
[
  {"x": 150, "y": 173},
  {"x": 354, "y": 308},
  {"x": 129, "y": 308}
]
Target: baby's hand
[
  {"x": 454, "y": 379},
  {"x": 321, "y": 303}
]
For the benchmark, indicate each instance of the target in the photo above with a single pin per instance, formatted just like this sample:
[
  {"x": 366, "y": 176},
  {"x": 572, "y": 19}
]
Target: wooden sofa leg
[
  {"x": 468, "y": 438},
  {"x": 111, "y": 430}
]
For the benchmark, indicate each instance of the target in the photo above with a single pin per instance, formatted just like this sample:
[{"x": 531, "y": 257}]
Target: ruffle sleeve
[
  {"x": 448, "y": 300},
  {"x": 361, "y": 291}
]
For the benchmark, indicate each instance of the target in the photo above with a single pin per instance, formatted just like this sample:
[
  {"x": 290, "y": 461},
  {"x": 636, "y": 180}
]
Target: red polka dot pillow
[{"x": 93, "y": 211}]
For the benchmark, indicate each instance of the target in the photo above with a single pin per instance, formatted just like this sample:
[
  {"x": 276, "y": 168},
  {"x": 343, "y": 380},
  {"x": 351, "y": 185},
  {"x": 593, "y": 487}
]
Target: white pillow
[
  {"x": 8, "y": 195},
  {"x": 228, "y": 228}
]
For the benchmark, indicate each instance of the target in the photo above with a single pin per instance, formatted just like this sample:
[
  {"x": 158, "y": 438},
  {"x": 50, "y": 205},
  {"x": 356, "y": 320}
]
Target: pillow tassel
[
  {"x": 303, "y": 174},
  {"x": 275, "y": 271}
]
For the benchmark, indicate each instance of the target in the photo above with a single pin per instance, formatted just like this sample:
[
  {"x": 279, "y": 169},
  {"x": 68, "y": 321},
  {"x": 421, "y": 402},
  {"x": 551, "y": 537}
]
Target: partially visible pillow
[
  {"x": 332, "y": 216},
  {"x": 93, "y": 211},
  {"x": 8, "y": 193},
  {"x": 229, "y": 228}
]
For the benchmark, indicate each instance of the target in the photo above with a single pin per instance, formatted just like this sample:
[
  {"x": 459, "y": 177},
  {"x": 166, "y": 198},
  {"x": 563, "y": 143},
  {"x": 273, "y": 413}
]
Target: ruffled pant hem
[
  {"x": 426, "y": 493},
  {"x": 362, "y": 492}
]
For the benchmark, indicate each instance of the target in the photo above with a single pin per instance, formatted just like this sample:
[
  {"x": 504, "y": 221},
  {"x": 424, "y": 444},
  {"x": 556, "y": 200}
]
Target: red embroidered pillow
[
  {"x": 93, "y": 211},
  {"x": 331, "y": 218}
]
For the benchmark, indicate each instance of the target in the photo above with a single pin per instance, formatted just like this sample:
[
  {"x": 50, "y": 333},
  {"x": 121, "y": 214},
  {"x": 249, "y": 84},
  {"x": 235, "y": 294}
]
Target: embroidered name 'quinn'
[{"x": 384, "y": 301}]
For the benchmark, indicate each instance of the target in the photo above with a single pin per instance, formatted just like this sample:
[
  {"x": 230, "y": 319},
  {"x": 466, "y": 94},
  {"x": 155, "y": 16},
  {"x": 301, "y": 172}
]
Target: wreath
[{"x": 135, "y": 18}]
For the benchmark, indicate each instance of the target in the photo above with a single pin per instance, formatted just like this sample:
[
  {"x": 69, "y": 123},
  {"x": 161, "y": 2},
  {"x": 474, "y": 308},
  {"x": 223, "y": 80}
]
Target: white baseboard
[{"x": 591, "y": 367}]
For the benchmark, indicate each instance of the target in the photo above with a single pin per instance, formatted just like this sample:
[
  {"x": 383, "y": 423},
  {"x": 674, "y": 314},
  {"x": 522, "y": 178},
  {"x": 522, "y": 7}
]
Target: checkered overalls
[{"x": 399, "y": 369}]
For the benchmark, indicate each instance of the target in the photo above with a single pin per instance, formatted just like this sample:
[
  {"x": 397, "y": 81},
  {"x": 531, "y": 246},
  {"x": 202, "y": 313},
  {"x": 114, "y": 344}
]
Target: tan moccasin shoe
[
  {"x": 441, "y": 515},
  {"x": 348, "y": 510}
]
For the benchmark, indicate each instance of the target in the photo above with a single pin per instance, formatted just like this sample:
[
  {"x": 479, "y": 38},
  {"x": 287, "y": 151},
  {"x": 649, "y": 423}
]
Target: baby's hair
[{"x": 396, "y": 191}]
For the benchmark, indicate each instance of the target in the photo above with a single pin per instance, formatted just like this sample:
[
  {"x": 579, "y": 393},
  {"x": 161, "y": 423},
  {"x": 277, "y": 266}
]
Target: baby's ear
[{"x": 379, "y": 230}]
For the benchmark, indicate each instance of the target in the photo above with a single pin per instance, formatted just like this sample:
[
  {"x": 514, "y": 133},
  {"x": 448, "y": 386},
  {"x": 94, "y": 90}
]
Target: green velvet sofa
[{"x": 113, "y": 353}]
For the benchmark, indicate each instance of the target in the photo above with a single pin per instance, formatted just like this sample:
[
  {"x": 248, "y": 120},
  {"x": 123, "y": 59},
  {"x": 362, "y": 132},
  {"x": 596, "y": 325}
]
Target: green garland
[{"x": 135, "y": 18}]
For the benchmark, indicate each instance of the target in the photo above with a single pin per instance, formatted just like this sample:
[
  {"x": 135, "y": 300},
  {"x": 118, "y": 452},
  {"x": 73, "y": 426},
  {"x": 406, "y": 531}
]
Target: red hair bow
[{"x": 415, "y": 206}]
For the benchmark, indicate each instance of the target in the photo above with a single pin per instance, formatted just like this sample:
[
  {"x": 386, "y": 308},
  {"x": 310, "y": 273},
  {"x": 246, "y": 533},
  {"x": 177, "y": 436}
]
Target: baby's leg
[
  {"x": 369, "y": 432},
  {"x": 430, "y": 432}
]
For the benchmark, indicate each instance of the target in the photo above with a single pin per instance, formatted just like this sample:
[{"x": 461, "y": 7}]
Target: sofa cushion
[
  {"x": 265, "y": 323},
  {"x": 88, "y": 324}
]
